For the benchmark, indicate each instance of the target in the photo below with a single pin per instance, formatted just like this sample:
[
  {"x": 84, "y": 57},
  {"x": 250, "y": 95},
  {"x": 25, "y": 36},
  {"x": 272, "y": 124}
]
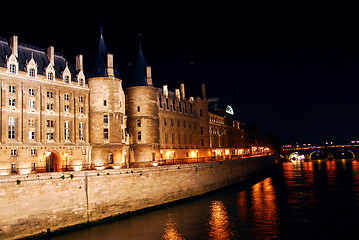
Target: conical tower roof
[
  {"x": 139, "y": 77},
  {"x": 99, "y": 66}
]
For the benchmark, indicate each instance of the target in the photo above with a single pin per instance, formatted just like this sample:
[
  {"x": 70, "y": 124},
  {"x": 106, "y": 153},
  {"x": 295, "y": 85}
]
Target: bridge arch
[
  {"x": 343, "y": 154},
  {"x": 324, "y": 155}
]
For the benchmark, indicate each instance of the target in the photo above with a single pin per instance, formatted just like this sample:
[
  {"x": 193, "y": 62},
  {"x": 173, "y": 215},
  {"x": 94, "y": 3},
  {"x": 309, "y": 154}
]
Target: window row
[
  {"x": 50, "y": 75},
  {"x": 50, "y": 129}
]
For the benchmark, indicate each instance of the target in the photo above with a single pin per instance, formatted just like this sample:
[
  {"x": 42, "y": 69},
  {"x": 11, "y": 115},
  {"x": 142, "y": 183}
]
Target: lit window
[
  {"x": 31, "y": 92},
  {"x": 32, "y": 104},
  {"x": 31, "y": 134},
  {"x": 32, "y": 72},
  {"x": 12, "y": 128},
  {"x": 67, "y": 130},
  {"x": 50, "y": 76},
  {"x": 12, "y": 89},
  {"x": 66, "y": 96},
  {"x": 12, "y": 68},
  {"x": 31, "y": 122},
  {"x": 81, "y": 131},
  {"x": 105, "y": 133},
  {"x": 50, "y": 136}
]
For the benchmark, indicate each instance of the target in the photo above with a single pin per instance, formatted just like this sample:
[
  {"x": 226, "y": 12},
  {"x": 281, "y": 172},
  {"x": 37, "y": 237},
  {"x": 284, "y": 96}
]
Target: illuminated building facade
[
  {"x": 44, "y": 111},
  {"x": 54, "y": 120}
]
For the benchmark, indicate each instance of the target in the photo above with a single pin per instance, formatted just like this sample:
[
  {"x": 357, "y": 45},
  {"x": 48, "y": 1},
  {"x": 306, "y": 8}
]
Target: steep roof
[
  {"x": 26, "y": 52},
  {"x": 139, "y": 77},
  {"x": 99, "y": 66}
]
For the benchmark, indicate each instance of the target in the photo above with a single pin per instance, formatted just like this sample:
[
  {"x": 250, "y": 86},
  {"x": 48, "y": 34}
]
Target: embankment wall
[{"x": 36, "y": 203}]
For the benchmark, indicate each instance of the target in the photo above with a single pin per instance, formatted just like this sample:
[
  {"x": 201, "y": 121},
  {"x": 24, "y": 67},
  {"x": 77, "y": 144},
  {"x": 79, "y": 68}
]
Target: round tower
[
  {"x": 107, "y": 112},
  {"x": 142, "y": 116},
  {"x": 143, "y": 125}
]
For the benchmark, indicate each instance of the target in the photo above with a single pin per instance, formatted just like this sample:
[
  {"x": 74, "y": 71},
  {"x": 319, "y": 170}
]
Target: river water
[{"x": 304, "y": 200}]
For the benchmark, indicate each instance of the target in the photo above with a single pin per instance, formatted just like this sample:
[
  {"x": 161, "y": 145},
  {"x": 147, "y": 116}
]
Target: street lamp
[{"x": 197, "y": 154}]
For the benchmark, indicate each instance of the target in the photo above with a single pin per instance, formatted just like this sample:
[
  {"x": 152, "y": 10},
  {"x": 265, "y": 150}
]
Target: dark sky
[{"x": 292, "y": 67}]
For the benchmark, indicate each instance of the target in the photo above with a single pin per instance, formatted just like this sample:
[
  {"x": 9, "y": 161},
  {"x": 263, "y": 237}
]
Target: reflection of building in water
[
  {"x": 259, "y": 208},
  {"x": 171, "y": 232},
  {"x": 219, "y": 223}
]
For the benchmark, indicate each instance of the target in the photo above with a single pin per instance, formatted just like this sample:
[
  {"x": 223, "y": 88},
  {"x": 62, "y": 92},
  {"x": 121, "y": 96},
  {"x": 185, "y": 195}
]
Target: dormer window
[
  {"x": 12, "y": 68},
  {"x": 81, "y": 82},
  {"x": 32, "y": 72},
  {"x": 50, "y": 76},
  {"x": 31, "y": 67},
  {"x": 67, "y": 79}
]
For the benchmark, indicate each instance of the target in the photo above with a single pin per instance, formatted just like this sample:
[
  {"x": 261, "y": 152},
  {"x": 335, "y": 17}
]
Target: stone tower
[
  {"x": 107, "y": 112},
  {"x": 142, "y": 116}
]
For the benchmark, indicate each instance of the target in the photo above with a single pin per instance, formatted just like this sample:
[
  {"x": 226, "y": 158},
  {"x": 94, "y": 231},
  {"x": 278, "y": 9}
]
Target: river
[{"x": 304, "y": 200}]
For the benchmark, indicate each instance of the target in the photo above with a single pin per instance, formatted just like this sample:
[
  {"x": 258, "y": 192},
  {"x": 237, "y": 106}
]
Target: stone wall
[{"x": 37, "y": 203}]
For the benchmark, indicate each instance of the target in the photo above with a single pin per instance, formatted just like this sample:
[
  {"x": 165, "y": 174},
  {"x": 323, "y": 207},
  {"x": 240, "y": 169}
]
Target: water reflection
[
  {"x": 171, "y": 232},
  {"x": 219, "y": 224},
  {"x": 316, "y": 199},
  {"x": 259, "y": 210}
]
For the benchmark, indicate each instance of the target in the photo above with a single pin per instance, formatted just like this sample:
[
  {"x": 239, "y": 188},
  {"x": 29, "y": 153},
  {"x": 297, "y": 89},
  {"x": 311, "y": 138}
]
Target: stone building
[
  {"x": 44, "y": 111},
  {"x": 54, "y": 120}
]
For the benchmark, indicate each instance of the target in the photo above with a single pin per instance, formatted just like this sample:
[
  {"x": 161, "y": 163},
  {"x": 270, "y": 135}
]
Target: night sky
[{"x": 292, "y": 67}]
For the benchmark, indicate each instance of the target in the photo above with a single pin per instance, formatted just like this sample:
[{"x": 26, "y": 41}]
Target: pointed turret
[
  {"x": 142, "y": 72},
  {"x": 102, "y": 66}
]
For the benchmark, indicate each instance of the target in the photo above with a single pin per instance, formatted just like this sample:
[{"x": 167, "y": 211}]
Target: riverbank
[{"x": 35, "y": 204}]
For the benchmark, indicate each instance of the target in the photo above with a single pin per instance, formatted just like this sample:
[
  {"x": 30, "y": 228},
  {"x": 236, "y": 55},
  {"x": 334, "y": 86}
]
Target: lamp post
[
  {"x": 197, "y": 154},
  {"x": 173, "y": 157}
]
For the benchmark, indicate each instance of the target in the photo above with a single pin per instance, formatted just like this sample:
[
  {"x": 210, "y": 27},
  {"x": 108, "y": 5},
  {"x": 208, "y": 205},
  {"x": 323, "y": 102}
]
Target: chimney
[
  {"x": 165, "y": 90},
  {"x": 149, "y": 76},
  {"x": 14, "y": 45},
  {"x": 203, "y": 90},
  {"x": 79, "y": 63},
  {"x": 51, "y": 54},
  {"x": 110, "y": 65},
  {"x": 178, "y": 95},
  {"x": 183, "y": 95}
]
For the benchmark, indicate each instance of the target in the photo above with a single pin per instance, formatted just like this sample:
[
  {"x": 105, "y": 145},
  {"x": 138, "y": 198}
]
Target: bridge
[{"x": 347, "y": 151}]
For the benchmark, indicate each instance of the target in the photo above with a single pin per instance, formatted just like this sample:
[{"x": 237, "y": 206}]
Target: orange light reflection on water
[
  {"x": 262, "y": 209},
  {"x": 219, "y": 223},
  {"x": 171, "y": 232}
]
